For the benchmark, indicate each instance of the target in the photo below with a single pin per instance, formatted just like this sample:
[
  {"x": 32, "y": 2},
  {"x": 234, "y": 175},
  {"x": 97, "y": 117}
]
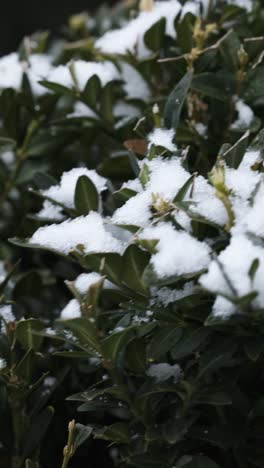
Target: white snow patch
[
  {"x": 135, "y": 86},
  {"x": 6, "y": 314},
  {"x": 164, "y": 371},
  {"x": 247, "y": 4},
  {"x": 3, "y": 363},
  {"x": 84, "y": 281},
  {"x": 162, "y": 137},
  {"x": 81, "y": 110},
  {"x": 166, "y": 296},
  {"x": 88, "y": 231},
  {"x": 83, "y": 71},
  {"x": 236, "y": 261},
  {"x": 245, "y": 116},
  {"x": 71, "y": 310},
  {"x": 178, "y": 253},
  {"x": 50, "y": 211},
  {"x": 64, "y": 191},
  {"x": 130, "y": 36}
]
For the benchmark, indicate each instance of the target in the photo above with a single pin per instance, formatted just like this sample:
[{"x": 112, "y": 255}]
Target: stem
[{"x": 68, "y": 450}]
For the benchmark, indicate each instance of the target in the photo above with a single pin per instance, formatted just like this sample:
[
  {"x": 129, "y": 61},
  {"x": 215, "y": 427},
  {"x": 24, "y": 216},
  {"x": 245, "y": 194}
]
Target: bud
[
  {"x": 217, "y": 177},
  {"x": 242, "y": 57},
  {"x": 78, "y": 22},
  {"x": 155, "y": 109},
  {"x": 146, "y": 5}
]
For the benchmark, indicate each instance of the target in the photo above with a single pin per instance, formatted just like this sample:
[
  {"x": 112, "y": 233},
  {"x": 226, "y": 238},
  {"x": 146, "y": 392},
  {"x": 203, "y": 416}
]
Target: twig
[{"x": 200, "y": 52}]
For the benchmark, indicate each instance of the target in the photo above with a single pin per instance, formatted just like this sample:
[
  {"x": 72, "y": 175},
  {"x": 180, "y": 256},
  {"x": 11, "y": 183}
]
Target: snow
[
  {"x": 136, "y": 211},
  {"x": 3, "y": 363},
  {"x": 50, "y": 211},
  {"x": 123, "y": 109},
  {"x": 64, "y": 191},
  {"x": 134, "y": 84},
  {"x": 39, "y": 68},
  {"x": 236, "y": 261},
  {"x": 6, "y": 314},
  {"x": 166, "y": 296},
  {"x": 241, "y": 181},
  {"x": 164, "y": 371},
  {"x": 84, "y": 281},
  {"x": 82, "y": 110},
  {"x": 178, "y": 253},
  {"x": 71, "y": 310},
  {"x": 88, "y": 231},
  {"x": 61, "y": 75},
  {"x": 8, "y": 157},
  {"x": 106, "y": 72},
  {"x": 206, "y": 204},
  {"x": 244, "y": 118},
  {"x": 10, "y": 72},
  {"x": 166, "y": 177},
  {"x": 83, "y": 71},
  {"x": 201, "y": 129},
  {"x": 162, "y": 137},
  {"x": 250, "y": 158},
  {"x": 2, "y": 271},
  {"x": 251, "y": 218},
  {"x": 130, "y": 36},
  {"x": 247, "y": 4}
]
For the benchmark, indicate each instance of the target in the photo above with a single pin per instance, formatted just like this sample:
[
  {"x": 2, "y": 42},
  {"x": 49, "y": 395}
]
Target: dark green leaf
[
  {"x": 234, "y": 155},
  {"x": 176, "y": 100},
  {"x": 25, "y": 333},
  {"x": 92, "y": 90},
  {"x": 86, "y": 197},
  {"x": 135, "y": 261},
  {"x": 154, "y": 36}
]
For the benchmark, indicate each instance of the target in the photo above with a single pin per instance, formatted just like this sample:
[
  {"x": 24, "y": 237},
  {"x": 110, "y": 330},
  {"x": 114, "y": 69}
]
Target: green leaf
[
  {"x": 229, "y": 49},
  {"x": 254, "y": 347},
  {"x": 234, "y": 155},
  {"x": 80, "y": 435},
  {"x": 86, "y": 197},
  {"x": 174, "y": 104},
  {"x": 154, "y": 36},
  {"x": 117, "y": 432},
  {"x": 31, "y": 464},
  {"x": 144, "y": 175},
  {"x": 125, "y": 194},
  {"x": 83, "y": 330},
  {"x": 217, "y": 358},
  {"x": 135, "y": 261},
  {"x": 184, "y": 29},
  {"x": 164, "y": 340},
  {"x": 7, "y": 144},
  {"x": 136, "y": 356},
  {"x": 36, "y": 431},
  {"x": 108, "y": 264},
  {"x": 213, "y": 85},
  {"x": 44, "y": 181},
  {"x": 190, "y": 342},
  {"x": 253, "y": 269},
  {"x": 201, "y": 461},
  {"x": 184, "y": 189},
  {"x": 58, "y": 88},
  {"x": 25, "y": 333},
  {"x": 92, "y": 90},
  {"x": 115, "y": 342},
  {"x": 26, "y": 366}
]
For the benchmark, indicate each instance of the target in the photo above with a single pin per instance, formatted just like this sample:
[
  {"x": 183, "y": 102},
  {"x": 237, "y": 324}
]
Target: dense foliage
[{"x": 132, "y": 239}]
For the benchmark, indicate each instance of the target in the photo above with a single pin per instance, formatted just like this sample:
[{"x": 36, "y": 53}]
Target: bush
[{"x": 132, "y": 250}]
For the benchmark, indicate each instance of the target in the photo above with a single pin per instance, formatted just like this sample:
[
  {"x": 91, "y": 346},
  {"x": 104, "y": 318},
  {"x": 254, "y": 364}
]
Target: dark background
[{"x": 23, "y": 17}]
